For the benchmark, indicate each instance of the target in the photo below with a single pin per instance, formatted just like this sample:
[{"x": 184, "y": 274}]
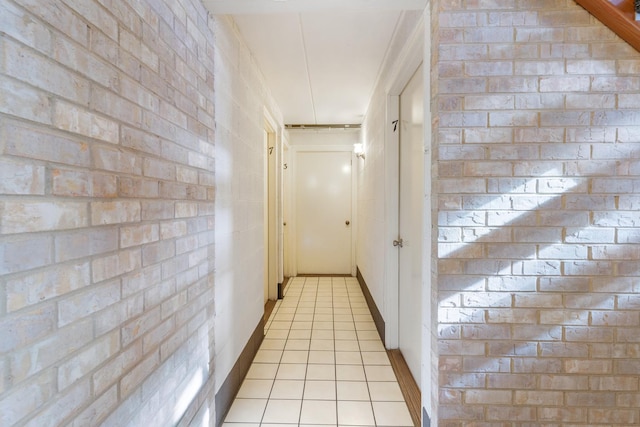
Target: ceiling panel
[
  {"x": 345, "y": 52},
  {"x": 238, "y": 7},
  {"x": 320, "y": 58},
  {"x": 277, "y": 45}
]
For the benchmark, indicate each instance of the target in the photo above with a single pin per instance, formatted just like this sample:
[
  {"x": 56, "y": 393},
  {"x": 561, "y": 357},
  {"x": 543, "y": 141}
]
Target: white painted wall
[
  {"x": 241, "y": 97},
  {"x": 372, "y": 219},
  {"x": 377, "y": 217},
  {"x": 319, "y": 137}
]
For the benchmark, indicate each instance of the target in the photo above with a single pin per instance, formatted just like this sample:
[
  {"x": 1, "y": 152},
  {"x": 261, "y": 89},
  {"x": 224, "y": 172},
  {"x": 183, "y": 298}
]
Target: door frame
[
  {"x": 412, "y": 224},
  {"x": 287, "y": 181},
  {"x": 405, "y": 67},
  {"x": 274, "y": 256},
  {"x": 416, "y": 51},
  {"x": 293, "y": 231}
]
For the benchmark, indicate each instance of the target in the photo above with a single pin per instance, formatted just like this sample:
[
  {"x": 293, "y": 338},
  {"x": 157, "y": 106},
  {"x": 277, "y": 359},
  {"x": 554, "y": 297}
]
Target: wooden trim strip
[
  {"x": 408, "y": 385},
  {"x": 268, "y": 309},
  {"x": 618, "y": 16},
  {"x": 373, "y": 308},
  {"x": 231, "y": 385}
]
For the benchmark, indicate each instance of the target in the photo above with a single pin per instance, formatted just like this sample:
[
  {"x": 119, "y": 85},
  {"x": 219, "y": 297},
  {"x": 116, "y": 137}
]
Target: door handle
[
  {"x": 398, "y": 243},
  {"x": 347, "y": 222}
]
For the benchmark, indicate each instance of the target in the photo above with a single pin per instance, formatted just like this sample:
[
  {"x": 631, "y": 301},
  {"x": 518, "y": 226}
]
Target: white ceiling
[{"x": 321, "y": 58}]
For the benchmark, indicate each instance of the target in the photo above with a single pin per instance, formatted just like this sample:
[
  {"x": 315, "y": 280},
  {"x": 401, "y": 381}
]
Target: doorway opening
[
  {"x": 408, "y": 320},
  {"x": 323, "y": 187},
  {"x": 270, "y": 212},
  {"x": 410, "y": 230},
  {"x": 322, "y": 184}
]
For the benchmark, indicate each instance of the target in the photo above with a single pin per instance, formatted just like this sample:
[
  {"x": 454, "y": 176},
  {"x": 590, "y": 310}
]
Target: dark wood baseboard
[
  {"x": 373, "y": 308},
  {"x": 268, "y": 309},
  {"x": 408, "y": 385},
  {"x": 231, "y": 385}
]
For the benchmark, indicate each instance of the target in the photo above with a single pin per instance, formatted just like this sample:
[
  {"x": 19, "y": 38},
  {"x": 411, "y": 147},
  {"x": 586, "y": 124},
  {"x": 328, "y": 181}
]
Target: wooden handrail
[{"x": 618, "y": 15}]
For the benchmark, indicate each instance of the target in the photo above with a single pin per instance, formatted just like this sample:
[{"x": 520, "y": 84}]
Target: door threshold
[{"x": 324, "y": 275}]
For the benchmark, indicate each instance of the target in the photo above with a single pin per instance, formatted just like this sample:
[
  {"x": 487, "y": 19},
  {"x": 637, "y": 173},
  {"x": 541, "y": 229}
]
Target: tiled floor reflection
[{"x": 321, "y": 364}]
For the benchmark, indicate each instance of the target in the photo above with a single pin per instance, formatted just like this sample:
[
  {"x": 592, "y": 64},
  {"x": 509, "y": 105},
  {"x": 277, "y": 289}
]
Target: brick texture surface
[
  {"x": 106, "y": 213},
  {"x": 536, "y": 142}
]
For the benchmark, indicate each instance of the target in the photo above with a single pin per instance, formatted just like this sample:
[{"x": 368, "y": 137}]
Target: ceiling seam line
[
  {"x": 385, "y": 58},
  {"x": 306, "y": 64}
]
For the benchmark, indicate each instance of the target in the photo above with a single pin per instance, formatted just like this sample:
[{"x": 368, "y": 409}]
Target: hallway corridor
[{"x": 322, "y": 363}]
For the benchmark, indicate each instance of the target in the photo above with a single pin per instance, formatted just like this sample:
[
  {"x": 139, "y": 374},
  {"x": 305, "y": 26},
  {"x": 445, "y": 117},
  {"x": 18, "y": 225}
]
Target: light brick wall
[
  {"x": 241, "y": 99},
  {"x": 538, "y": 142},
  {"x": 106, "y": 213}
]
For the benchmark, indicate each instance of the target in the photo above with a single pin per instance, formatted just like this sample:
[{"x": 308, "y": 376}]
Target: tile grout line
[
  {"x": 304, "y": 384},
  {"x": 342, "y": 297},
  {"x": 335, "y": 353}
]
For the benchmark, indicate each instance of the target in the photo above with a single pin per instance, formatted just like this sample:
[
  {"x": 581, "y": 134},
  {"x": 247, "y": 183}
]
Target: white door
[
  {"x": 411, "y": 222},
  {"x": 270, "y": 213},
  {"x": 266, "y": 217},
  {"x": 286, "y": 182},
  {"x": 323, "y": 212}
]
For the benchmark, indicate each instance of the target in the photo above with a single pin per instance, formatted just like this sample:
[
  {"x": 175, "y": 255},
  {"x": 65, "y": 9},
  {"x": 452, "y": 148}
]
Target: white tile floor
[{"x": 322, "y": 363}]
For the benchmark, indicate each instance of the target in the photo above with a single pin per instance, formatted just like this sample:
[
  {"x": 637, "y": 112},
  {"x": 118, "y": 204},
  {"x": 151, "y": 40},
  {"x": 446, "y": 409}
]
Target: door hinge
[{"x": 398, "y": 243}]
